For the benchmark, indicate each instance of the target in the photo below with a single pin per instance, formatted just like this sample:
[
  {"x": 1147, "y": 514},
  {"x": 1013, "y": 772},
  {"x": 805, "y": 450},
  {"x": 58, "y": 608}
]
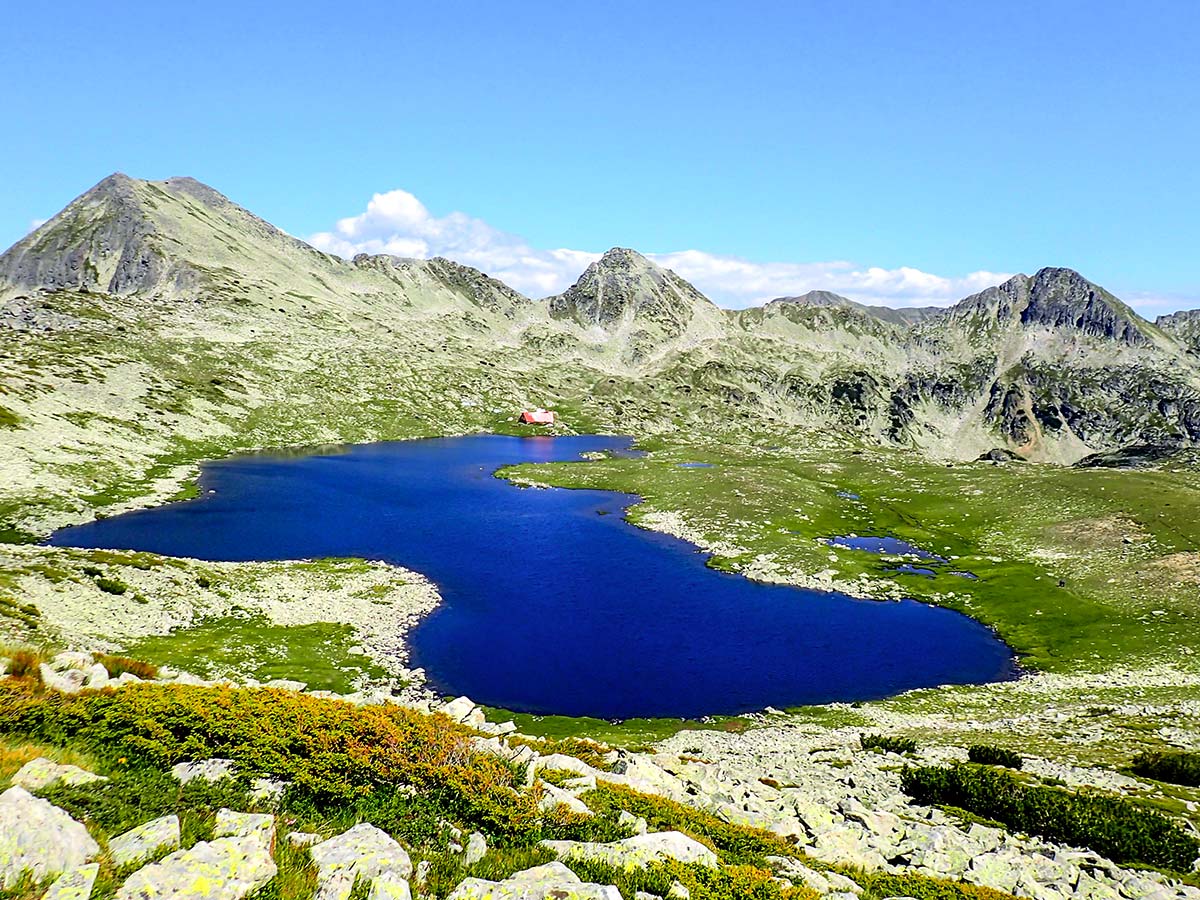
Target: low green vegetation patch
[
  {"x": 922, "y": 887},
  {"x": 590, "y": 752},
  {"x": 887, "y": 743},
  {"x": 321, "y": 655},
  {"x": 1174, "y": 766},
  {"x": 734, "y": 844},
  {"x": 1113, "y": 826},
  {"x": 138, "y": 795},
  {"x": 987, "y": 755},
  {"x": 334, "y": 753}
]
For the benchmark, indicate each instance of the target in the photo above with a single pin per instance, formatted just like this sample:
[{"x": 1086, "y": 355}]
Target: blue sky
[{"x": 759, "y": 148}]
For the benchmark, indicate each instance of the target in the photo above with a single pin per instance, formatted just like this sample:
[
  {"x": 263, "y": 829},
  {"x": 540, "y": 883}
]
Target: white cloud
[
  {"x": 398, "y": 223},
  {"x": 1151, "y": 305},
  {"x": 35, "y": 224}
]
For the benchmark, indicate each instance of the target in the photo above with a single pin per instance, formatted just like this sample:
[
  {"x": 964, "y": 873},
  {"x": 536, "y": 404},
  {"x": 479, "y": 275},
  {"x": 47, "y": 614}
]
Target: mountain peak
[
  {"x": 1055, "y": 298},
  {"x": 623, "y": 291}
]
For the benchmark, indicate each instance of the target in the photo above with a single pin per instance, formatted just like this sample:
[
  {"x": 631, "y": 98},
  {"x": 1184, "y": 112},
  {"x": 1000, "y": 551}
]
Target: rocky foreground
[{"x": 840, "y": 809}]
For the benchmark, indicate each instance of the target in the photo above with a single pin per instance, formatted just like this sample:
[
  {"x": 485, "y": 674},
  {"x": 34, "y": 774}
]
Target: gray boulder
[
  {"x": 362, "y": 852},
  {"x": 259, "y": 826},
  {"x": 389, "y": 886},
  {"x": 38, "y": 839},
  {"x": 476, "y": 849},
  {"x": 205, "y": 769},
  {"x": 41, "y": 772},
  {"x": 140, "y": 843},
  {"x": 69, "y": 681},
  {"x": 222, "y": 869},
  {"x": 74, "y": 884},
  {"x": 638, "y": 851}
]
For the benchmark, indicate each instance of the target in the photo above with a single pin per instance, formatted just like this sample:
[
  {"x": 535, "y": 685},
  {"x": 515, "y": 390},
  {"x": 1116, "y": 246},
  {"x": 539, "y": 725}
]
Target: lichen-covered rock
[
  {"x": 38, "y": 839},
  {"x": 553, "y": 797},
  {"x": 71, "y": 659},
  {"x": 389, "y": 886},
  {"x": 41, "y": 772},
  {"x": 260, "y": 826},
  {"x": 459, "y": 708},
  {"x": 267, "y": 790},
  {"x": 221, "y": 869},
  {"x": 362, "y": 852},
  {"x": 476, "y": 849},
  {"x": 638, "y": 851},
  {"x": 74, "y": 884},
  {"x": 551, "y": 871},
  {"x": 206, "y": 769},
  {"x": 96, "y": 677},
  {"x": 516, "y": 889},
  {"x": 145, "y": 840},
  {"x": 303, "y": 838}
]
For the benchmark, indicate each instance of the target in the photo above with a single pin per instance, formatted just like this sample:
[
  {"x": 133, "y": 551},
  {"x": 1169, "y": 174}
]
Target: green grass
[{"x": 320, "y": 655}]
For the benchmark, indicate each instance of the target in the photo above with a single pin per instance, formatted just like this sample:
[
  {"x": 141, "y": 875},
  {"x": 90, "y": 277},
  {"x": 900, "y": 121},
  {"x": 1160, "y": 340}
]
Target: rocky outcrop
[
  {"x": 38, "y": 840},
  {"x": 144, "y": 841},
  {"x": 362, "y": 852},
  {"x": 42, "y": 773},
  {"x": 638, "y": 851},
  {"x": 552, "y": 881},
  {"x": 74, "y": 884},
  {"x": 221, "y": 869}
]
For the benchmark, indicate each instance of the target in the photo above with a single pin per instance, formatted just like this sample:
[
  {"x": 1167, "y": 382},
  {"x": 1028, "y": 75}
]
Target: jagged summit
[
  {"x": 1055, "y": 299},
  {"x": 127, "y": 236},
  {"x": 623, "y": 285},
  {"x": 1184, "y": 326}
]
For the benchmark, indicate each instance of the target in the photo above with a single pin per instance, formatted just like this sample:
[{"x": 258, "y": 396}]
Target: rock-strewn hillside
[
  {"x": 433, "y": 800},
  {"x": 156, "y": 323}
]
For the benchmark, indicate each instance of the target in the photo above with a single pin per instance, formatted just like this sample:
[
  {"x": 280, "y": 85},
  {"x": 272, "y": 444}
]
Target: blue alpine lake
[{"x": 553, "y": 602}]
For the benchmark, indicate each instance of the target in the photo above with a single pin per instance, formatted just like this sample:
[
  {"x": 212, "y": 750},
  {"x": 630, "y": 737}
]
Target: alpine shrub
[
  {"x": 1110, "y": 825},
  {"x": 1176, "y": 767},
  {"x": 987, "y": 755},
  {"x": 887, "y": 743}
]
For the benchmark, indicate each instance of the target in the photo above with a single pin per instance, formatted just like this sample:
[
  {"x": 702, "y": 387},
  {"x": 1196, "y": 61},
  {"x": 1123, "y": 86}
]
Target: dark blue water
[
  {"x": 552, "y": 605},
  {"x": 883, "y": 545}
]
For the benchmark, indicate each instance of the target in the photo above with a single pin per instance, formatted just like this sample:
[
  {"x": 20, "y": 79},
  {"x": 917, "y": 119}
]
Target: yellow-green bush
[
  {"x": 734, "y": 844},
  {"x": 332, "y": 751}
]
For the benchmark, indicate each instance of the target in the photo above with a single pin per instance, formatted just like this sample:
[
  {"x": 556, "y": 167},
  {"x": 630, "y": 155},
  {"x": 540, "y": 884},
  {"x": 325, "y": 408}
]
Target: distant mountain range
[{"x": 146, "y": 313}]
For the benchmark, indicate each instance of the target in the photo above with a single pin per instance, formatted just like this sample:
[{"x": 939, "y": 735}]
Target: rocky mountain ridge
[{"x": 215, "y": 320}]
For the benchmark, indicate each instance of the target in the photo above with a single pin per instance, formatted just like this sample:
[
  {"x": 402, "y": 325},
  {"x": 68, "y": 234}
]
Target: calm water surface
[{"x": 553, "y": 602}]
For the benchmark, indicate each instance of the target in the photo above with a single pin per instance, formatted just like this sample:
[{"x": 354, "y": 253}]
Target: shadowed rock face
[
  {"x": 1062, "y": 298},
  {"x": 1049, "y": 365},
  {"x": 622, "y": 286},
  {"x": 1184, "y": 326},
  {"x": 100, "y": 242}
]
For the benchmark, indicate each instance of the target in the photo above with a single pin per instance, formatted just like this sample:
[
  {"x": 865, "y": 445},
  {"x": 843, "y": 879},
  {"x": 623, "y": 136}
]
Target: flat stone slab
[
  {"x": 362, "y": 852},
  {"x": 512, "y": 889},
  {"x": 260, "y": 826},
  {"x": 39, "y": 839},
  {"x": 41, "y": 772},
  {"x": 221, "y": 869},
  {"x": 141, "y": 843},
  {"x": 389, "y": 886},
  {"x": 74, "y": 884},
  {"x": 638, "y": 851}
]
